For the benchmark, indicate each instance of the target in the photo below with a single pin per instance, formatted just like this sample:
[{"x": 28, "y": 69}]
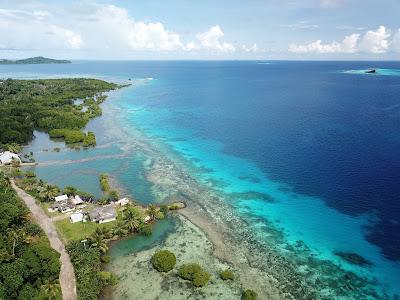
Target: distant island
[{"x": 34, "y": 60}]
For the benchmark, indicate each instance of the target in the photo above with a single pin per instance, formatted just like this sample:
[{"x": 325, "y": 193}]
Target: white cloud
[
  {"x": 91, "y": 27},
  {"x": 376, "y": 41},
  {"x": 252, "y": 49},
  {"x": 211, "y": 40},
  {"x": 348, "y": 45}
]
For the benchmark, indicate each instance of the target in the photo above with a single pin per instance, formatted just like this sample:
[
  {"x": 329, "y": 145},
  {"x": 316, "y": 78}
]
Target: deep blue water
[{"x": 322, "y": 142}]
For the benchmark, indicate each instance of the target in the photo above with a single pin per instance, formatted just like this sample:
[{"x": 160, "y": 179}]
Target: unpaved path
[{"x": 67, "y": 275}]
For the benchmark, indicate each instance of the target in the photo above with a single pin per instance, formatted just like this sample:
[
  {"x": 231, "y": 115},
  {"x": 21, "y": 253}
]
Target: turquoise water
[
  {"x": 161, "y": 229},
  {"x": 295, "y": 146},
  {"x": 383, "y": 72}
]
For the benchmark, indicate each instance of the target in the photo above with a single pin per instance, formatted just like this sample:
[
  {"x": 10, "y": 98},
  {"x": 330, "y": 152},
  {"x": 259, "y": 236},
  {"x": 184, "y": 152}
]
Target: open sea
[{"x": 310, "y": 148}]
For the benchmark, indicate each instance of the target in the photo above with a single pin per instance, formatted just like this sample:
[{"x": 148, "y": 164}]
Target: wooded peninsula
[{"x": 60, "y": 107}]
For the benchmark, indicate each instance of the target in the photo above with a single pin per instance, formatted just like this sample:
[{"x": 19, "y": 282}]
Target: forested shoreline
[
  {"x": 29, "y": 267},
  {"x": 50, "y": 105}
]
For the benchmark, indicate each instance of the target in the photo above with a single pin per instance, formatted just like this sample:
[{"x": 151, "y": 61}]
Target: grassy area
[{"x": 79, "y": 231}]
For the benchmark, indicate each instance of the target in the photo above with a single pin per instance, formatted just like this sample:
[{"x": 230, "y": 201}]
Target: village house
[
  {"x": 76, "y": 200},
  {"x": 76, "y": 217},
  {"x": 61, "y": 198},
  {"x": 122, "y": 202},
  {"x": 7, "y": 158},
  {"x": 103, "y": 214}
]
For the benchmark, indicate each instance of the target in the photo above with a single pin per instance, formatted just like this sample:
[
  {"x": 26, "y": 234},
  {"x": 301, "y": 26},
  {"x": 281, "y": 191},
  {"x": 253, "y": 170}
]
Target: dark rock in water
[
  {"x": 372, "y": 71},
  {"x": 354, "y": 258}
]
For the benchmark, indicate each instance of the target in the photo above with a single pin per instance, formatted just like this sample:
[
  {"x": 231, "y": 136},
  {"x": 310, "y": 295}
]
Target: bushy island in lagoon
[{"x": 33, "y": 60}]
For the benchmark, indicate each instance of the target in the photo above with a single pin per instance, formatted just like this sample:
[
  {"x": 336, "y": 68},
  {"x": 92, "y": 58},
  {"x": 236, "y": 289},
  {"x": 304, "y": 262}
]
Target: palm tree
[
  {"x": 152, "y": 211},
  {"x": 51, "y": 289},
  {"x": 50, "y": 192},
  {"x": 99, "y": 239},
  {"x": 132, "y": 218}
]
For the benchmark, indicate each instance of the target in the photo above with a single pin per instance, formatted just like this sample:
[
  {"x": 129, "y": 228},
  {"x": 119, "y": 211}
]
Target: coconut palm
[
  {"x": 50, "y": 192},
  {"x": 132, "y": 219},
  {"x": 99, "y": 240},
  {"x": 51, "y": 289},
  {"x": 152, "y": 211}
]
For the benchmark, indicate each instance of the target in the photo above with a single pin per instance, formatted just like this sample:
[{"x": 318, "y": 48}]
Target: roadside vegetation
[
  {"x": 49, "y": 105},
  {"x": 29, "y": 267}
]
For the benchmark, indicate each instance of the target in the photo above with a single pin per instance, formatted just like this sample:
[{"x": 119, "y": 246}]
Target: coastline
[{"x": 294, "y": 275}]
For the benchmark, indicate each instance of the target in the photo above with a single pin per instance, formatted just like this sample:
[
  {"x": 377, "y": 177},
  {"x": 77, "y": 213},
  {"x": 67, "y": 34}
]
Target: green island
[
  {"x": 34, "y": 60},
  {"x": 49, "y": 105}
]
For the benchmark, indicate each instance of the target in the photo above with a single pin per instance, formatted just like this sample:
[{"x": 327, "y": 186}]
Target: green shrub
[
  {"x": 226, "y": 275},
  {"x": 163, "y": 260},
  {"x": 249, "y": 295},
  {"x": 146, "y": 229},
  {"x": 187, "y": 271},
  {"x": 201, "y": 278}
]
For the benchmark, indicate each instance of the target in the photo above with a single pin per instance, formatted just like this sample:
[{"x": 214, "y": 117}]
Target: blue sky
[{"x": 179, "y": 29}]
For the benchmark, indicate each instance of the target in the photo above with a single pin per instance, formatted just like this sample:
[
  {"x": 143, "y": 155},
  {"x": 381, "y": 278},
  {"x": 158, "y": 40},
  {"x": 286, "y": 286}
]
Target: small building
[
  {"x": 103, "y": 214},
  {"x": 122, "y": 202},
  {"x": 147, "y": 219},
  {"x": 7, "y": 158},
  {"x": 76, "y": 200},
  {"x": 76, "y": 217},
  {"x": 61, "y": 198}
]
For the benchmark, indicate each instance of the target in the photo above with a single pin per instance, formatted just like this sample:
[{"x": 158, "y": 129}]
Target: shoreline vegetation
[{"x": 50, "y": 105}]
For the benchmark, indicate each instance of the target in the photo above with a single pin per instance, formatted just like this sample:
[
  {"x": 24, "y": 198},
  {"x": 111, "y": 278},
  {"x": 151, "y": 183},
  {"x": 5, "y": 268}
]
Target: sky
[{"x": 201, "y": 29}]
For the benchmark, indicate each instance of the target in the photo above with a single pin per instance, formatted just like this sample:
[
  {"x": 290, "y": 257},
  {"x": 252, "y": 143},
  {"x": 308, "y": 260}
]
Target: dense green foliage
[
  {"x": 34, "y": 60},
  {"x": 104, "y": 184},
  {"x": 87, "y": 264},
  {"x": 163, "y": 260},
  {"x": 47, "y": 105},
  {"x": 29, "y": 267},
  {"x": 187, "y": 271},
  {"x": 201, "y": 278},
  {"x": 194, "y": 273},
  {"x": 227, "y": 275},
  {"x": 249, "y": 295}
]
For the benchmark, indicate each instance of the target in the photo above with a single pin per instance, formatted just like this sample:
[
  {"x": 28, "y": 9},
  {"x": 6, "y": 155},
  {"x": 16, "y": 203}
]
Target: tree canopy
[{"x": 50, "y": 105}]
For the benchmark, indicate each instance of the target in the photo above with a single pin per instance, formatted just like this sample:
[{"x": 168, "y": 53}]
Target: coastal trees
[
  {"x": 249, "y": 295},
  {"x": 49, "y": 105},
  {"x": 99, "y": 239},
  {"x": 194, "y": 273},
  {"x": 163, "y": 260},
  {"x": 26, "y": 259},
  {"x": 133, "y": 219},
  {"x": 104, "y": 185}
]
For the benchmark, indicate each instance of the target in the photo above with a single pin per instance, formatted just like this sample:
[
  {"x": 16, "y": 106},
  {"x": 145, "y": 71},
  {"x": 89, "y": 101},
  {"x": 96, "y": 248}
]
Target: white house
[
  {"x": 76, "y": 200},
  {"x": 76, "y": 217},
  {"x": 122, "y": 202},
  {"x": 8, "y": 157},
  {"x": 61, "y": 198},
  {"x": 103, "y": 214}
]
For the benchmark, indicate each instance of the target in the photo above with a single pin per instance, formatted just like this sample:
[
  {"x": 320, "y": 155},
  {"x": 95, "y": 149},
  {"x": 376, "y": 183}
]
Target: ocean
[{"x": 307, "y": 148}]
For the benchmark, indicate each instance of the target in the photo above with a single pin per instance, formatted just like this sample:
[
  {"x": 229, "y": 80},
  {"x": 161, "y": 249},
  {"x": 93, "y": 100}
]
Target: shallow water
[{"x": 295, "y": 146}]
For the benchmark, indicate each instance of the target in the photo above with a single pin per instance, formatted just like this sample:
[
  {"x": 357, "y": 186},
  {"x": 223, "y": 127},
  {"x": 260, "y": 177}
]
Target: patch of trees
[
  {"x": 29, "y": 267},
  {"x": 26, "y": 105},
  {"x": 86, "y": 259}
]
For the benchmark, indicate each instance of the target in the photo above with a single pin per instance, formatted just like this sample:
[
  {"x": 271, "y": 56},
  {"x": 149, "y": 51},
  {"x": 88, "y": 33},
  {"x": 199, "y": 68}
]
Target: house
[
  {"x": 76, "y": 200},
  {"x": 103, "y": 214},
  {"x": 122, "y": 202},
  {"x": 8, "y": 157},
  {"x": 63, "y": 206},
  {"x": 61, "y": 198},
  {"x": 76, "y": 217}
]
